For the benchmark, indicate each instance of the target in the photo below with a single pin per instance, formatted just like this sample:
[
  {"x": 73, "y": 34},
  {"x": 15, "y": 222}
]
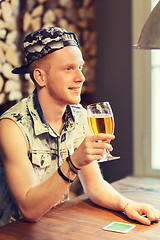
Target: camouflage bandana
[{"x": 42, "y": 42}]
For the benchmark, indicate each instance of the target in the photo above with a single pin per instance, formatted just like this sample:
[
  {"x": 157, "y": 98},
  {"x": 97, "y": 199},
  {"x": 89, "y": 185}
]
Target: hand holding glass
[{"x": 101, "y": 120}]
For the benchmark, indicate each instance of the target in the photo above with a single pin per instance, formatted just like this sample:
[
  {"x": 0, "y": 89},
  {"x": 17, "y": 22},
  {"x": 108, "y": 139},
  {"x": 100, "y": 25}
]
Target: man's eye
[
  {"x": 69, "y": 68},
  {"x": 81, "y": 68}
]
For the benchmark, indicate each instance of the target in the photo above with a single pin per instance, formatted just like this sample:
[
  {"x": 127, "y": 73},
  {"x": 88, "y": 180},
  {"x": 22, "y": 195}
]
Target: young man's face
[{"x": 64, "y": 80}]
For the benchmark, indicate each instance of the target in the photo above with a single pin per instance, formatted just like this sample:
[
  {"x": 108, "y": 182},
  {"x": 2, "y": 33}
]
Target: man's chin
[{"x": 75, "y": 102}]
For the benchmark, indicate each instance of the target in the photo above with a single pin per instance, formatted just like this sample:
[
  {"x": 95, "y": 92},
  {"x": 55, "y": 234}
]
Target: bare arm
[
  {"x": 32, "y": 199},
  {"x": 100, "y": 191},
  {"x": 103, "y": 194},
  {"x": 97, "y": 189}
]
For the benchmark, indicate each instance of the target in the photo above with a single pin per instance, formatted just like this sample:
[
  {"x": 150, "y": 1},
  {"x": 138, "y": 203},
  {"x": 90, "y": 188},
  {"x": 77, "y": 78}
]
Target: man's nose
[{"x": 80, "y": 76}]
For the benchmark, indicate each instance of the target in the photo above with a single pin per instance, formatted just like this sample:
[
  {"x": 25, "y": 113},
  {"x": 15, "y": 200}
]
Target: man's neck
[{"x": 53, "y": 112}]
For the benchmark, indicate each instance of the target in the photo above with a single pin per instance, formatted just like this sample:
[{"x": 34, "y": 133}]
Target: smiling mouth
[{"x": 76, "y": 89}]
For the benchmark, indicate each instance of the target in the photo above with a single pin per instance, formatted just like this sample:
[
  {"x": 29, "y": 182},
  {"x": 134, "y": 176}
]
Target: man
[{"x": 45, "y": 141}]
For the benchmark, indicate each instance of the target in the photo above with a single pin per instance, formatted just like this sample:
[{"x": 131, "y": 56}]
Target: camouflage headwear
[{"x": 42, "y": 42}]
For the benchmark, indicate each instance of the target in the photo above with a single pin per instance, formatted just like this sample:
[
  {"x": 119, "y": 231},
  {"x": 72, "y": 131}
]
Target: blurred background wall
[
  {"x": 114, "y": 78},
  {"x": 104, "y": 31}
]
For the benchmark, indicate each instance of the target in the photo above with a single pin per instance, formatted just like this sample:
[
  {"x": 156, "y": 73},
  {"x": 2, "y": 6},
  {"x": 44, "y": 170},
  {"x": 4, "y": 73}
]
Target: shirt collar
[{"x": 40, "y": 124}]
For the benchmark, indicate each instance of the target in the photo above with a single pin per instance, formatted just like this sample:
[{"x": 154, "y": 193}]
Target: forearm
[
  {"x": 42, "y": 197},
  {"x": 104, "y": 195}
]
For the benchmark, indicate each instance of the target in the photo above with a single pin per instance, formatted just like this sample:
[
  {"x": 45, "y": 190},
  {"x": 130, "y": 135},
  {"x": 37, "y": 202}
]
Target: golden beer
[{"x": 101, "y": 123}]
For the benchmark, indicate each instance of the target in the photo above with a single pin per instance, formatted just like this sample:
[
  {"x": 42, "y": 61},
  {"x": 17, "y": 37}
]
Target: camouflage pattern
[
  {"x": 47, "y": 150},
  {"x": 44, "y": 41}
]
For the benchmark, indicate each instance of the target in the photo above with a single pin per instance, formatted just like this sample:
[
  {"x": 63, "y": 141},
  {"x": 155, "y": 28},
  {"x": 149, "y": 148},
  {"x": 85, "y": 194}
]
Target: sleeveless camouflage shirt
[{"x": 47, "y": 150}]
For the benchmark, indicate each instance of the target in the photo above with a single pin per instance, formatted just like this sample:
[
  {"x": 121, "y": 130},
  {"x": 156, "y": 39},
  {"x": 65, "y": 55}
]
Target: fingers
[
  {"x": 144, "y": 213},
  {"x": 101, "y": 145},
  {"x": 95, "y": 153},
  {"x": 92, "y": 148},
  {"x": 142, "y": 219},
  {"x": 102, "y": 141},
  {"x": 151, "y": 213},
  {"x": 102, "y": 137},
  {"x": 148, "y": 218}
]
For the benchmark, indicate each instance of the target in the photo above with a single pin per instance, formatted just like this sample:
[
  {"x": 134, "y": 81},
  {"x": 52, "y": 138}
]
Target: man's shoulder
[{"x": 17, "y": 111}]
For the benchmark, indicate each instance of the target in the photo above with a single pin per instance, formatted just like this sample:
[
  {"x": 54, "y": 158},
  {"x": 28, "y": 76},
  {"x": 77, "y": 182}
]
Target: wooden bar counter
[{"x": 81, "y": 219}]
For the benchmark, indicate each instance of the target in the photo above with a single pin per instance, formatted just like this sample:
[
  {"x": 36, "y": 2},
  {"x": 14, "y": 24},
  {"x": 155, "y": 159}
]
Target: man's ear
[{"x": 39, "y": 76}]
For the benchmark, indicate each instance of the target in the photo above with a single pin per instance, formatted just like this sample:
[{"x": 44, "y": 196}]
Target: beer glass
[{"x": 101, "y": 120}]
